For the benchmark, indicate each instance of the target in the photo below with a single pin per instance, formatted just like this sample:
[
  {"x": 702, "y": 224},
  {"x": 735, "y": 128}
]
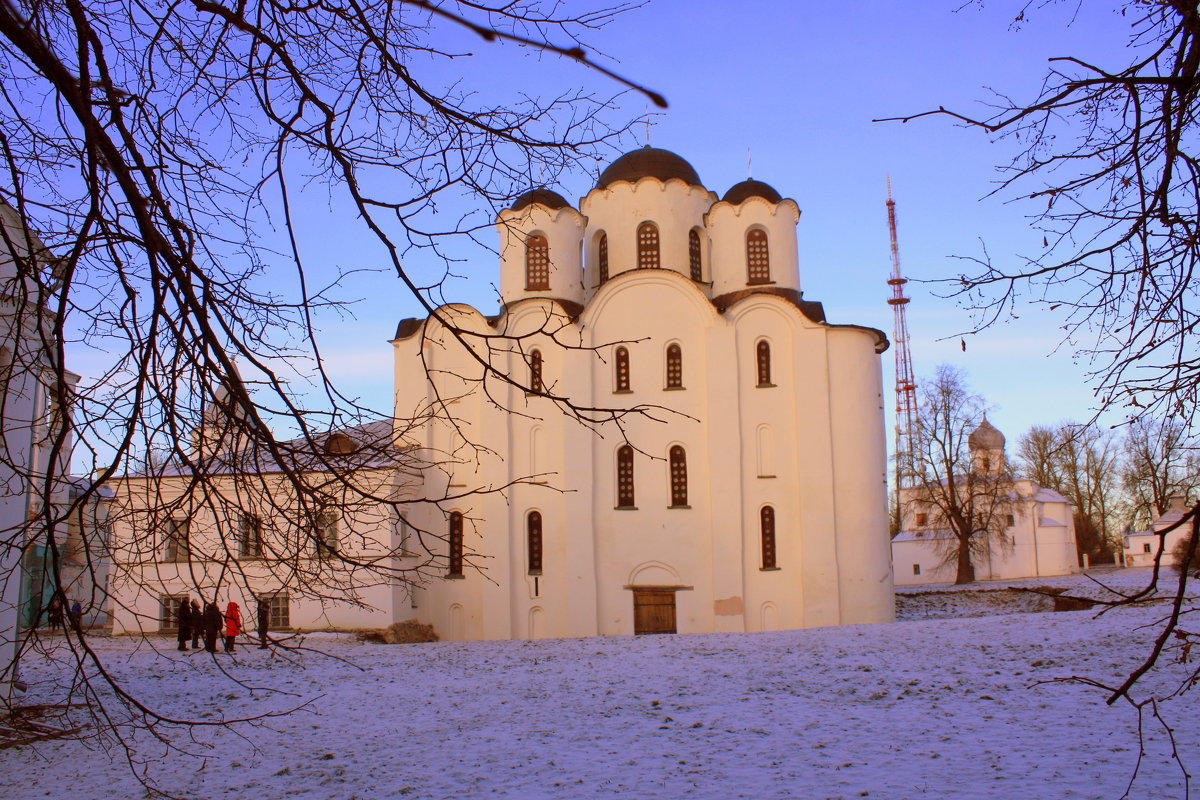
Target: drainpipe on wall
[{"x": 1033, "y": 525}]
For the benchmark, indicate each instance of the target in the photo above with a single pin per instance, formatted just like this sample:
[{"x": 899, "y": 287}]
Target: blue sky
[{"x": 797, "y": 85}]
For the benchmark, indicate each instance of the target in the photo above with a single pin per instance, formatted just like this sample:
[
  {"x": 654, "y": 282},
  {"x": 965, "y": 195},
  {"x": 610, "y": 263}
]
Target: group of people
[
  {"x": 212, "y": 624},
  {"x": 59, "y": 614}
]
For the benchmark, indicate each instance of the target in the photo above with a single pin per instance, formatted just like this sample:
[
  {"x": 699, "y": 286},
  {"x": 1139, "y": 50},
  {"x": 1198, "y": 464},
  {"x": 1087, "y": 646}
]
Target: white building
[
  {"x": 1141, "y": 547},
  {"x": 731, "y": 477},
  {"x": 1038, "y": 537},
  {"x": 751, "y": 496},
  {"x": 37, "y": 441}
]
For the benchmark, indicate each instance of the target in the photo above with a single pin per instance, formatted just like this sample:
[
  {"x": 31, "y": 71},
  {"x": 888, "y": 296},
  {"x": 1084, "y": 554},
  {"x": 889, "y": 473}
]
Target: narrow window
[
  {"x": 533, "y": 527},
  {"x": 916, "y": 569},
  {"x": 762, "y": 355},
  {"x": 678, "y": 458},
  {"x": 625, "y": 476},
  {"x": 674, "y": 367},
  {"x": 168, "y": 612},
  {"x": 1146, "y": 548},
  {"x": 456, "y": 543},
  {"x": 767, "y": 527},
  {"x": 537, "y": 263},
  {"x": 922, "y": 520},
  {"x": 1010, "y": 520},
  {"x": 280, "y": 615},
  {"x": 758, "y": 260},
  {"x": 694, "y": 255},
  {"x": 535, "y": 372},
  {"x": 622, "y": 369},
  {"x": 647, "y": 242},
  {"x": 325, "y": 534},
  {"x": 602, "y": 257},
  {"x": 250, "y": 543},
  {"x": 175, "y": 542}
]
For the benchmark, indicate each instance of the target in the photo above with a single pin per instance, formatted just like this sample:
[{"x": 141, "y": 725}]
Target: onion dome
[
  {"x": 541, "y": 197},
  {"x": 741, "y": 192},
  {"x": 648, "y": 162},
  {"x": 985, "y": 437}
]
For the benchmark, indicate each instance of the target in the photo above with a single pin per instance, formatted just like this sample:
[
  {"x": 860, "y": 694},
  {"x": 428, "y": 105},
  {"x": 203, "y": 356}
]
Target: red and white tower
[{"x": 906, "y": 385}]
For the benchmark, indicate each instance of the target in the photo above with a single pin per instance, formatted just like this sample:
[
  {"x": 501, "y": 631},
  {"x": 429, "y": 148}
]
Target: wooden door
[{"x": 653, "y": 611}]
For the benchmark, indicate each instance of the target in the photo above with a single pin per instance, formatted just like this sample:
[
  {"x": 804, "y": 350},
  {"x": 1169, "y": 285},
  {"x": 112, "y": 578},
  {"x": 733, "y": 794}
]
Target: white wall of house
[{"x": 1142, "y": 547}]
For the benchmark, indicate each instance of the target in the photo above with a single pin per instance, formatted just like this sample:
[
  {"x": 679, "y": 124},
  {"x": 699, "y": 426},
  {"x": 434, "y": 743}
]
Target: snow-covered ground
[{"x": 935, "y": 708}]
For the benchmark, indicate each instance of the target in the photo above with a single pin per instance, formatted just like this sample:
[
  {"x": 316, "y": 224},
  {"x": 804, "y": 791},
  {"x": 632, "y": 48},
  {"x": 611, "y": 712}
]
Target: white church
[{"x": 733, "y": 478}]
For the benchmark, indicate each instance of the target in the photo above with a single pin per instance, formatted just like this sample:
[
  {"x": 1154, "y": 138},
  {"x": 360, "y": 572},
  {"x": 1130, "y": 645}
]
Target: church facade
[
  {"x": 685, "y": 443},
  {"x": 656, "y": 433}
]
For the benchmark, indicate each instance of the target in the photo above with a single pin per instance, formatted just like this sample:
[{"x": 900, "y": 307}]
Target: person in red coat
[{"x": 233, "y": 625}]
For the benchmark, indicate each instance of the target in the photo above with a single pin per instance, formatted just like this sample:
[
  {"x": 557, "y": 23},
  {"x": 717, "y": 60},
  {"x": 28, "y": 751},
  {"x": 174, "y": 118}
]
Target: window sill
[
  {"x": 673, "y": 388},
  {"x": 765, "y": 477},
  {"x": 535, "y": 572},
  {"x": 455, "y": 576},
  {"x": 678, "y": 507},
  {"x": 622, "y": 391},
  {"x": 765, "y": 386},
  {"x": 760, "y": 283},
  {"x": 770, "y": 569},
  {"x": 625, "y": 508}
]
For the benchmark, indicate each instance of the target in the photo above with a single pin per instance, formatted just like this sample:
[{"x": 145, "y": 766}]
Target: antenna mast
[{"x": 906, "y": 385}]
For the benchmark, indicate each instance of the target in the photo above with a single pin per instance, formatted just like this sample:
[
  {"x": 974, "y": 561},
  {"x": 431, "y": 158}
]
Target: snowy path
[{"x": 936, "y": 709}]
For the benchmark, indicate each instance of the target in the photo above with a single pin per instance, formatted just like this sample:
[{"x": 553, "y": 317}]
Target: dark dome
[
  {"x": 741, "y": 192},
  {"x": 985, "y": 437},
  {"x": 540, "y": 197},
  {"x": 649, "y": 162}
]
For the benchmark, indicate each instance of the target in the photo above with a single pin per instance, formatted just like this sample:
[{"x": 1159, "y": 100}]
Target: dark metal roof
[
  {"x": 542, "y": 197},
  {"x": 741, "y": 192},
  {"x": 648, "y": 162},
  {"x": 408, "y": 327}
]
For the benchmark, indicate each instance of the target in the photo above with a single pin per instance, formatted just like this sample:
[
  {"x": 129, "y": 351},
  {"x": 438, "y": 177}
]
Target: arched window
[
  {"x": 602, "y": 257},
  {"x": 762, "y": 353},
  {"x": 766, "y": 522},
  {"x": 758, "y": 259},
  {"x": 625, "y": 476},
  {"x": 535, "y": 372},
  {"x": 678, "y": 459},
  {"x": 537, "y": 263},
  {"x": 694, "y": 256},
  {"x": 533, "y": 529},
  {"x": 647, "y": 242},
  {"x": 674, "y": 367},
  {"x": 621, "y": 368},
  {"x": 456, "y": 543}
]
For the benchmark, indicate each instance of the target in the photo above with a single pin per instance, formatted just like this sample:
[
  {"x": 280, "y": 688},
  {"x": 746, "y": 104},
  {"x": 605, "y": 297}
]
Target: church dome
[
  {"x": 741, "y": 192},
  {"x": 986, "y": 437},
  {"x": 541, "y": 197},
  {"x": 648, "y": 162}
]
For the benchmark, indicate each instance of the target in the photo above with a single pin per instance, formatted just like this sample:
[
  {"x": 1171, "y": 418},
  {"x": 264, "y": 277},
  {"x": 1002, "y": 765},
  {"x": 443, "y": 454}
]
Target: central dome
[
  {"x": 985, "y": 437},
  {"x": 648, "y": 162}
]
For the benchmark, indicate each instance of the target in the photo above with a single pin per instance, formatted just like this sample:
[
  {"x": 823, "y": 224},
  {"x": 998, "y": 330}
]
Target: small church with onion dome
[{"x": 684, "y": 443}]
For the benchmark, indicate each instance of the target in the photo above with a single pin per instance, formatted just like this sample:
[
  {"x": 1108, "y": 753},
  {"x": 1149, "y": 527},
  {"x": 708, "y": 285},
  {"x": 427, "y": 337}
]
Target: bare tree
[
  {"x": 960, "y": 484},
  {"x": 153, "y": 158},
  {"x": 1160, "y": 462},
  {"x": 1082, "y": 463},
  {"x": 1107, "y": 152}
]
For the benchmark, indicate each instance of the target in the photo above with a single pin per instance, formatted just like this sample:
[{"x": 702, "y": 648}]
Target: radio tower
[{"x": 906, "y": 386}]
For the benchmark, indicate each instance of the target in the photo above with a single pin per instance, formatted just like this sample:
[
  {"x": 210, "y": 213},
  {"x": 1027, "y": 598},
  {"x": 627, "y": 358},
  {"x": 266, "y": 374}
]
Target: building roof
[
  {"x": 648, "y": 162},
  {"x": 741, "y": 192},
  {"x": 366, "y": 446},
  {"x": 541, "y": 197}
]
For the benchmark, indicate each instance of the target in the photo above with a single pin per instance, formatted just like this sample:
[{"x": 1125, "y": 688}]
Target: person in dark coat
[
  {"x": 54, "y": 612},
  {"x": 213, "y": 618},
  {"x": 185, "y": 621},
  {"x": 197, "y": 625},
  {"x": 233, "y": 625},
  {"x": 264, "y": 622},
  {"x": 76, "y": 616}
]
